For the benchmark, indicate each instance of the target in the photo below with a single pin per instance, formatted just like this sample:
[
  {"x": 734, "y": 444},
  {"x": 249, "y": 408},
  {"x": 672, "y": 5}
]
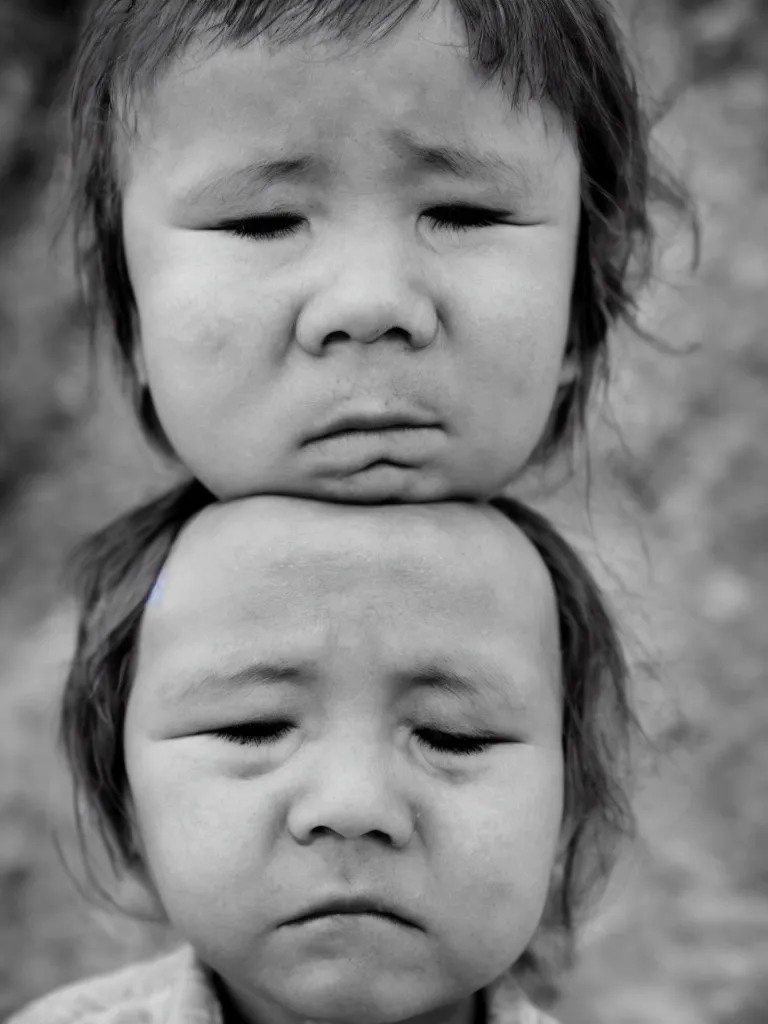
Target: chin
[{"x": 350, "y": 995}]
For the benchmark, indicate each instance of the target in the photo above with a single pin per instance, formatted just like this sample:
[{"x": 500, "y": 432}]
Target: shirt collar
[{"x": 193, "y": 999}]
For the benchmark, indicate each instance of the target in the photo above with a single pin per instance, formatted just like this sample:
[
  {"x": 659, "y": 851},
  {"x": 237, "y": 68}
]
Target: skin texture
[
  {"x": 300, "y": 664},
  {"x": 380, "y": 299}
]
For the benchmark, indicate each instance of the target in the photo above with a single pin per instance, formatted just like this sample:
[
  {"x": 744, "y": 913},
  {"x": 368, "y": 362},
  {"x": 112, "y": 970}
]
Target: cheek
[
  {"x": 208, "y": 368},
  {"x": 502, "y": 848},
  {"x": 202, "y": 314},
  {"x": 514, "y": 313},
  {"x": 204, "y": 844}
]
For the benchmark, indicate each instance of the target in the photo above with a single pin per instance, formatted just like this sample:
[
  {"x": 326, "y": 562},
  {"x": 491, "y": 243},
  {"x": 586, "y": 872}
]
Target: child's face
[
  {"x": 352, "y": 265},
  {"x": 334, "y": 704}
]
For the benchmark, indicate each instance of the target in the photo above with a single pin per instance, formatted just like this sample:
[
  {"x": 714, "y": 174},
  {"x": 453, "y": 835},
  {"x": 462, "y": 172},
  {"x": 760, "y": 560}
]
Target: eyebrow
[
  {"x": 244, "y": 181},
  {"x": 429, "y": 677},
  {"x": 263, "y": 672},
  {"x": 448, "y": 680},
  {"x": 465, "y": 162}
]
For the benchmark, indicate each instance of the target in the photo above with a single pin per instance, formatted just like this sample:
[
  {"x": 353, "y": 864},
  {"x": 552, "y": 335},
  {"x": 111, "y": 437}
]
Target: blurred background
[{"x": 675, "y": 525}]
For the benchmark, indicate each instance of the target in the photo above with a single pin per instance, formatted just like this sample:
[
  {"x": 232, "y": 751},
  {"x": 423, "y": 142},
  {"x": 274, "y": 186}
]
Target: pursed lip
[
  {"x": 361, "y": 422},
  {"x": 352, "y": 905}
]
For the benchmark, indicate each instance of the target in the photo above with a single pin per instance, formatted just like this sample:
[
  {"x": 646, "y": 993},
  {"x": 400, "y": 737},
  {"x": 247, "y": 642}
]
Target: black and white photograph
[{"x": 384, "y": 511}]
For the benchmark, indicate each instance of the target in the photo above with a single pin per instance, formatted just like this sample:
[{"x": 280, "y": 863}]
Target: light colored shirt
[{"x": 177, "y": 989}]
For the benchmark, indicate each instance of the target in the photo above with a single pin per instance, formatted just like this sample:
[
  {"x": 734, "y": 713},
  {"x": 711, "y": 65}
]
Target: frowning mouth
[
  {"x": 382, "y": 425},
  {"x": 352, "y": 908}
]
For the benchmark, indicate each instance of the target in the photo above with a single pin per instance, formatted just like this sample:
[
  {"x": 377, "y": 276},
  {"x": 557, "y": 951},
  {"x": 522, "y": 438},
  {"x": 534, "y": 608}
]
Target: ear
[
  {"x": 137, "y": 895},
  {"x": 568, "y": 826},
  {"x": 145, "y": 406},
  {"x": 139, "y": 362},
  {"x": 567, "y": 832},
  {"x": 569, "y": 368}
]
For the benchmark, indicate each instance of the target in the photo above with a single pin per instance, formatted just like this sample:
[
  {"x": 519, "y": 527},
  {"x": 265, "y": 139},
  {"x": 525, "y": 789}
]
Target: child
[
  {"x": 360, "y": 250},
  {"x": 358, "y": 757}
]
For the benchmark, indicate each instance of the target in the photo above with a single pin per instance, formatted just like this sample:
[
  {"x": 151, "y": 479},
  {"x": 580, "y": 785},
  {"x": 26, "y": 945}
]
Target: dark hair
[
  {"x": 118, "y": 568},
  {"x": 569, "y": 52}
]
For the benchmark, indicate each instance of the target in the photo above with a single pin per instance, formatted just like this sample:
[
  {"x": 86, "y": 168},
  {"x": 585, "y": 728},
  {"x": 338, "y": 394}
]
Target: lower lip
[{"x": 398, "y": 444}]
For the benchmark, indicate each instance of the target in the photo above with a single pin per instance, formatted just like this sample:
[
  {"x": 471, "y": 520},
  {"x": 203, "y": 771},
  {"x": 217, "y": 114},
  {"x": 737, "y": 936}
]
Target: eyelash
[
  {"x": 279, "y": 225},
  {"x": 257, "y": 734},
  {"x": 454, "y": 742},
  {"x": 258, "y": 227}
]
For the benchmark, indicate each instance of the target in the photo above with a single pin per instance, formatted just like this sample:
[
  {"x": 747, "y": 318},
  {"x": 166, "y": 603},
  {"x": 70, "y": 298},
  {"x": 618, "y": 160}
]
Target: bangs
[
  {"x": 539, "y": 49},
  {"x": 156, "y": 33}
]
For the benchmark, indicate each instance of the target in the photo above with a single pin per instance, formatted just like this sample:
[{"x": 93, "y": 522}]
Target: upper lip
[
  {"x": 372, "y": 421},
  {"x": 352, "y": 905}
]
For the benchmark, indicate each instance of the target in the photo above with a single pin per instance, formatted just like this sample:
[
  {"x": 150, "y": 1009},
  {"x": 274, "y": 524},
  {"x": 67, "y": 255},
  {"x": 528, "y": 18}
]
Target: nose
[
  {"x": 350, "y": 792},
  {"x": 367, "y": 294}
]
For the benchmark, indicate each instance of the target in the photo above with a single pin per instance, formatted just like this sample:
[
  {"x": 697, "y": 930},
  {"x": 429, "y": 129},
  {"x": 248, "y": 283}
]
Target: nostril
[
  {"x": 377, "y": 834},
  {"x": 397, "y": 334},
  {"x": 334, "y": 336},
  {"x": 323, "y": 830}
]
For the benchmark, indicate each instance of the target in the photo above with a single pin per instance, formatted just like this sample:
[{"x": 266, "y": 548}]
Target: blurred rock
[{"x": 38, "y": 300}]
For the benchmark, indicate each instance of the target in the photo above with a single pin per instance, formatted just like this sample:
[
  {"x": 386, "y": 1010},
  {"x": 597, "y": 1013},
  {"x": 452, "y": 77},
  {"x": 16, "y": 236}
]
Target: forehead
[
  {"x": 272, "y": 571},
  {"x": 416, "y": 78},
  {"x": 270, "y": 75}
]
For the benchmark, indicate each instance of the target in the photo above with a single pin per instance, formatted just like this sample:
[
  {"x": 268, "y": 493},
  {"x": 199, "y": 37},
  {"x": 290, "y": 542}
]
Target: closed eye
[
  {"x": 460, "y": 217},
  {"x": 254, "y": 734},
  {"x": 266, "y": 227},
  {"x": 455, "y": 217},
  {"x": 455, "y": 742}
]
